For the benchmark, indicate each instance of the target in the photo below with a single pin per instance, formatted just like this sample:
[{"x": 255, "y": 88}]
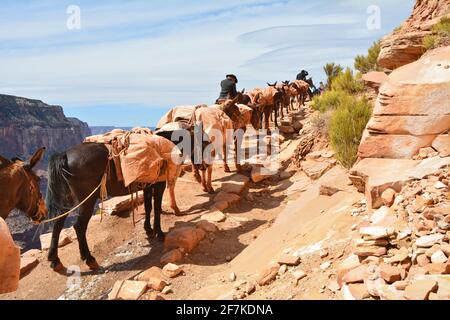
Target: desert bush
[
  {"x": 329, "y": 100},
  {"x": 348, "y": 82},
  {"x": 369, "y": 63},
  {"x": 440, "y": 35},
  {"x": 320, "y": 122},
  {"x": 346, "y": 127}
]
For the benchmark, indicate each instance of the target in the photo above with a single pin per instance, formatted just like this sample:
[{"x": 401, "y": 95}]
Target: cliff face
[
  {"x": 26, "y": 125},
  {"x": 405, "y": 45}
]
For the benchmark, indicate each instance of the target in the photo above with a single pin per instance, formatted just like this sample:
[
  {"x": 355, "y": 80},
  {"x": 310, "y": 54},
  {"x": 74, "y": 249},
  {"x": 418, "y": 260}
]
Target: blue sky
[{"x": 133, "y": 60}]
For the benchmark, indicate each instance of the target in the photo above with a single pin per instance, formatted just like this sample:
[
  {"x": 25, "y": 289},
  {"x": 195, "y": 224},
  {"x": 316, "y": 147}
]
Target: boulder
[
  {"x": 153, "y": 272},
  {"x": 261, "y": 173},
  {"x": 289, "y": 260},
  {"x": 412, "y": 109},
  {"x": 442, "y": 145},
  {"x": 429, "y": 241},
  {"x": 207, "y": 226},
  {"x": 388, "y": 197},
  {"x": 390, "y": 274},
  {"x": 186, "y": 238},
  {"x": 9, "y": 261},
  {"x": 229, "y": 198},
  {"x": 356, "y": 275}
]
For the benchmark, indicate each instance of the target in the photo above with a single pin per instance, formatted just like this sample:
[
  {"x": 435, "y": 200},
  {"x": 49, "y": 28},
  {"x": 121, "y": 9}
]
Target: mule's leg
[
  {"x": 197, "y": 174},
  {"x": 237, "y": 150},
  {"x": 159, "y": 189},
  {"x": 204, "y": 181},
  {"x": 209, "y": 183},
  {"x": 173, "y": 202},
  {"x": 55, "y": 263},
  {"x": 81, "y": 226},
  {"x": 276, "y": 116},
  {"x": 148, "y": 192},
  {"x": 225, "y": 160}
]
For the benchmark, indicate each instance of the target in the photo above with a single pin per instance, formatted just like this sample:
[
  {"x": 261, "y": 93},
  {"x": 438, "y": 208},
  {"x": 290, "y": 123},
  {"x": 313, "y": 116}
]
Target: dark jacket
[
  {"x": 228, "y": 90},
  {"x": 302, "y": 75}
]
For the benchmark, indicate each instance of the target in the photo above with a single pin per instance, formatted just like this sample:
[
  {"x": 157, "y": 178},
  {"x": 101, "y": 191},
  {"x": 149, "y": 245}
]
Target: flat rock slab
[
  {"x": 27, "y": 264},
  {"x": 119, "y": 205},
  {"x": 314, "y": 169},
  {"x": 236, "y": 184},
  {"x": 127, "y": 290},
  {"x": 214, "y": 217},
  {"x": 46, "y": 239}
]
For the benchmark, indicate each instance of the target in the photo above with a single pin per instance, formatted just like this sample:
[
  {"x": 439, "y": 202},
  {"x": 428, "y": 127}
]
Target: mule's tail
[{"x": 59, "y": 196}]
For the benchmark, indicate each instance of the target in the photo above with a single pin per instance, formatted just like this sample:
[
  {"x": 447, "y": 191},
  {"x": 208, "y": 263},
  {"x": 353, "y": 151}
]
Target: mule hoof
[
  {"x": 211, "y": 191},
  {"x": 177, "y": 212},
  {"x": 93, "y": 265},
  {"x": 58, "y": 267},
  {"x": 227, "y": 169}
]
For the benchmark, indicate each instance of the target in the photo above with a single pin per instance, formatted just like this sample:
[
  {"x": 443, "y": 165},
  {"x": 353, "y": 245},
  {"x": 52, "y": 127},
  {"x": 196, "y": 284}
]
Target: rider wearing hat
[{"x": 228, "y": 88}]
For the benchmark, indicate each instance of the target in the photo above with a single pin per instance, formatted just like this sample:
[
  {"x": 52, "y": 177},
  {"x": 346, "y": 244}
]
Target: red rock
[
  {"x": 250, "y": 288},
  {"x": 229, "y": 198},
  {"x": 401, "y": 285},
  {"x": 236, "y": 184},
  {"x": 356, "y": 275},
  {"x": 349, "y": 263},
  {"x": 186, "y": 238},
  {"x": 221, "y": 205},
  {"x": 359, "y": 291},
  {"x": 314, "y": 169},
  {"x": 207, "y": 226},
  {"x": 442, "y": 145},
  {"x": 388, "y": 197},
  {"x": 367, "y": 251},
  {"x": 438, "y": 268},
  {"x": 9, "y": 261},
  {"x": 420, "y": 289},
  {"x": 299, "y": 275},
  {"x": 153, "y": 272},
  {"x": 127, "y": 290},
  {"x": 390, "y": 274},
  {"x": 172, "y": 270},
  {"x": 156, "y": 284},
  {"x": 422, "y": 260},
  {"x": 268, "y": 275},
  {"x": 289, "y": 260},
  {"x": 27, "y": 264},
  {"x": 172, "y": 256},
  {"x": 33, "y": 253}
]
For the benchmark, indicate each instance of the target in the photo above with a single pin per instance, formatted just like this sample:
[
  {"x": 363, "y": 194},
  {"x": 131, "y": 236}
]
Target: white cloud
[{"x": 162, "y": 54}]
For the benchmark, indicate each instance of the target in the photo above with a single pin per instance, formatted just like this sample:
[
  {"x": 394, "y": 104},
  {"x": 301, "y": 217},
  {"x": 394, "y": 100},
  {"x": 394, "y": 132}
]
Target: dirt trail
[{"x": 124, "y": 250}]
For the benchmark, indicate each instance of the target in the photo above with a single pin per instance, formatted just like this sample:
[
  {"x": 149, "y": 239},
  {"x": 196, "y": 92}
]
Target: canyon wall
[
  {"x": 405, "y": 44},
  {"x": 26, "y": 125}
]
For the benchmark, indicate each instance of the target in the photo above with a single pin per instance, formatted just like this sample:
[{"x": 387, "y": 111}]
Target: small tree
[
  {"x": 332, "y": 70},
  {"x": 365, "y": 64}
]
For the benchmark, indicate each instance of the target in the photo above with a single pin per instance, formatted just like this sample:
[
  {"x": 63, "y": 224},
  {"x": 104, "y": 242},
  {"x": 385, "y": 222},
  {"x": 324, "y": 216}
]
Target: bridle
[{"x": 33, "y": 190}]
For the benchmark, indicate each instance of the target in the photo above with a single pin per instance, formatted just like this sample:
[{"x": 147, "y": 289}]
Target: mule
[
  {"x": 74, "y": 174},
  {"x": 20, "y": 187}
]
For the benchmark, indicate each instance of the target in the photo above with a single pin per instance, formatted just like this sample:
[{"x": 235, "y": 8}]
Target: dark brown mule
[
  {"x": 19, "y": 187},
  {"x": 74, "y": 174}
]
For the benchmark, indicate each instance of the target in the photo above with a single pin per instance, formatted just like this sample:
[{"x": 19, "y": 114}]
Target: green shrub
[
  {"x": 346, "y": 128},
  {"x": 440, "y": 35},
  {"x": 369, "y": 63},
  {"x": 347, "y": 82},
  {"x": 320, "y": 122},
  {"x": 329, "y": 100}
]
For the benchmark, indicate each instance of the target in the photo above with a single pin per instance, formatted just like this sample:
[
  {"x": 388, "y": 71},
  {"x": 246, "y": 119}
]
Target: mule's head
[
  {"x": 30, "y": 198},
  {"x": 256, "y": 117}
]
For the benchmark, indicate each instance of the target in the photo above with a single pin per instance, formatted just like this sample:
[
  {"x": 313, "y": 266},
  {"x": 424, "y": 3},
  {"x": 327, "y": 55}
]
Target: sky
[{"x": 131, "y": 61}]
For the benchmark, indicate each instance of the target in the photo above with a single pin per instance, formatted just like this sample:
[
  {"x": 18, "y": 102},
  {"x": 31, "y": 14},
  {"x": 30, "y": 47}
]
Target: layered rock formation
[
  {"x": 405, "y": 45},
  {"x": 26, "y": 125},
  {"x": 412, "y": 110}
]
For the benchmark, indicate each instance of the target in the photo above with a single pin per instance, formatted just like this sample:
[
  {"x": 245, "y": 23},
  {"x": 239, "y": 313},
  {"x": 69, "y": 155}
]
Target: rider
[
  {"x": 302, "y": 75},
  {"x": 228, "y": 90}
]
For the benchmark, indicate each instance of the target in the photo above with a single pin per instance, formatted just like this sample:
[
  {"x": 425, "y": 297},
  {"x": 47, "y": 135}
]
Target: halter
[{"x": 33, "y": 190}]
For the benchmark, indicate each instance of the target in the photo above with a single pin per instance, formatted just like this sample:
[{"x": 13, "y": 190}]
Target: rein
[{"x": 103, "y": 195}]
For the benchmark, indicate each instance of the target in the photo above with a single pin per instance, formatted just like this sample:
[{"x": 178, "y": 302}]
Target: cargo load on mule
[{"x": 139, "y": 156}]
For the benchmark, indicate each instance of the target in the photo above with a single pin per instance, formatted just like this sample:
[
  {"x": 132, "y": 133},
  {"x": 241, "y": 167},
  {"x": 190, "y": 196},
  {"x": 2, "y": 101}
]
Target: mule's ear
[
  {"x": 4, "y": 160},
  {"x": 243, "y": 91},
  {"x": 35, "y": 158}
]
